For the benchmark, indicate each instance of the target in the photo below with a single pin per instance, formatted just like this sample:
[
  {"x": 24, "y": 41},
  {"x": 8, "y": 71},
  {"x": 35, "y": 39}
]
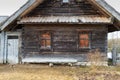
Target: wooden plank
[
  {"x": 57, "y": 8},
  {"x": 12, "y": 56},
  {"x": 104, "y": 5},
  {"x": 2, "y": 47},
  {"x": 64, "y": 38}
]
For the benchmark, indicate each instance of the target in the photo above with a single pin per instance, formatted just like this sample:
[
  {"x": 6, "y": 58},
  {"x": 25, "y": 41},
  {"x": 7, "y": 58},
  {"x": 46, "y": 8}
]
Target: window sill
[{"x": 45, "y": 49}]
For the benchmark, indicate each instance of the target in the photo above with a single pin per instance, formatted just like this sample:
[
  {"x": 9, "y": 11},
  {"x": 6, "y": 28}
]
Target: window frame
[
  {"x": 40, "y": 39},
  {"x": 89, "y": 39}
]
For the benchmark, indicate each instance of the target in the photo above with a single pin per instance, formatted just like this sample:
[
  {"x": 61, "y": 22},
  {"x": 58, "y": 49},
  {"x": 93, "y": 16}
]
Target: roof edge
[
  {"x": 109, "y": 8},
  {"x": 31, "y": 4},
  {"x": 19, "y": 12},
  {"x": 3, "y": 19}
]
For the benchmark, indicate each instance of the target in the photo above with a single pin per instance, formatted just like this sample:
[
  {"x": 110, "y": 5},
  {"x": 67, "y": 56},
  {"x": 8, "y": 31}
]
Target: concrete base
[
  {"x": 48, "y": 60},
  {"x": 61, "y": 61}
]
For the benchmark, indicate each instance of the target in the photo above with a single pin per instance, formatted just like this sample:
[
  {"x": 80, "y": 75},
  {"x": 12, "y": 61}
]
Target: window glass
[
  {"x": 84, "y": 40},
  {"x": 45, "y": 40},
  {"x": 65, "y": 1}
]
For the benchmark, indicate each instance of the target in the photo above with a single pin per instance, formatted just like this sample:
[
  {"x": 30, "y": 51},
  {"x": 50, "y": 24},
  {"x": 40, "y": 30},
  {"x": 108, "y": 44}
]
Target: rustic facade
[{"x": 55, "y": 31}]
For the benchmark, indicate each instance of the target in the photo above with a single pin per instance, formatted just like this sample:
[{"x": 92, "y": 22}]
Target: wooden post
[
  {"x": 2, "y": 52},
  {"x": 114, "y": 56},
  {"x": 1, "y": 48}
]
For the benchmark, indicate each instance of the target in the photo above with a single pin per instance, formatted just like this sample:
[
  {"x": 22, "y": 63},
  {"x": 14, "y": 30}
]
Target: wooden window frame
[
  {"x": 46, "y": 49},
  {"x": 89, "y": 39}
]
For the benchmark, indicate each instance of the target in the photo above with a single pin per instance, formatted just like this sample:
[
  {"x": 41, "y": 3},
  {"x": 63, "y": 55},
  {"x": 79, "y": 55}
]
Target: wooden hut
[{"x": 57, "y": 31}]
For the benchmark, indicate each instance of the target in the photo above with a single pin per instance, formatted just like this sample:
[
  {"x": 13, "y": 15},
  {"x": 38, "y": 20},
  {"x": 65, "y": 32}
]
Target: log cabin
[{"x": 57, "y": 31}]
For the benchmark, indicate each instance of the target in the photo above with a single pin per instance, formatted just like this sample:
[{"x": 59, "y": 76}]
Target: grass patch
[{"x": 44, "y": 72}]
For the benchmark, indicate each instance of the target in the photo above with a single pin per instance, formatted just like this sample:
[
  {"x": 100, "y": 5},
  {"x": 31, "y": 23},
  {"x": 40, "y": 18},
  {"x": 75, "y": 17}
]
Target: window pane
[
  {"x": 84, "y": 43},
  {"x": 48, "y": 43},
  {"x": 45, "y": 35},
  {"x": 45, "y": 40},
  {"x": 65, "y": 1},
  {"x": 42, "y": 43},
  {"x": 84, "y": 36},
  {"x": 84, "y": 40}
]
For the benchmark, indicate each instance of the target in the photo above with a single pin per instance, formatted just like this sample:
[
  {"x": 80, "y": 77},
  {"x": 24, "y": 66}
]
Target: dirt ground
[{"x": 44, "y": 72}]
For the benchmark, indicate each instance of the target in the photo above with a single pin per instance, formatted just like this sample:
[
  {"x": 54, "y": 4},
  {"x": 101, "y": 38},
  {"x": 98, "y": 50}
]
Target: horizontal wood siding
[
  {"x": 99, "y": 40},
  {"x": 64, "y": 39},
  {"x": 57, "y": 8},
  {"x": 30, "y": 41}
]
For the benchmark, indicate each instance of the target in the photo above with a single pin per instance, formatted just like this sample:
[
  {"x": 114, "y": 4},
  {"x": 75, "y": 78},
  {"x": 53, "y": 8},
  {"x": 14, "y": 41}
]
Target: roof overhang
[
  {"x": 66, "y": 19},
  {"x": 103, "y": 5},
  {"x": 26, "y": 8},
  {"x": 3, "y": 19},
  {"x": 31, "y": 4}
]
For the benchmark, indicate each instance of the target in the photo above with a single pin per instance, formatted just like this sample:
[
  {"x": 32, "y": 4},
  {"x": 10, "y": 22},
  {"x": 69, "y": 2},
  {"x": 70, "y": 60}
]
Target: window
[
  {"x": 84, "y": 41},
  {"x": 45, "y": 40},
  {"x": 65, "y": 1}
]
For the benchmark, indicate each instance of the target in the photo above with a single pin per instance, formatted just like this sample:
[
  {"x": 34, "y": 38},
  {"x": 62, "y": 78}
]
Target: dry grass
[
  {"x": 43, "y": 72},
  {"x": 95, "y": 59},
  {"x": 35, "y": 72}
]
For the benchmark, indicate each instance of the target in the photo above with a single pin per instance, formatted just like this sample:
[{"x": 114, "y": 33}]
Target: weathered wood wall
[
  {"x": 3, "y": 48},
  {"x": 64, "y": 38},
  {"x": 1, "y": 54},
  {"x": 58, "y": 8}
]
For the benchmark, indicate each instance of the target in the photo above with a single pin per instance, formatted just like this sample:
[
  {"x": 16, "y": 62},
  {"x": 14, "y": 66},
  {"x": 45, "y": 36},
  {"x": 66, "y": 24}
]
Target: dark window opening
[{"x": 12, "y": 37}]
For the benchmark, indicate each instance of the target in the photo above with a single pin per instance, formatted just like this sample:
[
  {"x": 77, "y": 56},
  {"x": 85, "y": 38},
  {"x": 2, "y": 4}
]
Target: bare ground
[{"x": 44, "y": 72}]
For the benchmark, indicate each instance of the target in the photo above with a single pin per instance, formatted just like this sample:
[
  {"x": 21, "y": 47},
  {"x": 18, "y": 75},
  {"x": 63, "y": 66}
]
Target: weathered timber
[
  {"x": 58, "y": 8},
  {"x": 64, "y": 39}
]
